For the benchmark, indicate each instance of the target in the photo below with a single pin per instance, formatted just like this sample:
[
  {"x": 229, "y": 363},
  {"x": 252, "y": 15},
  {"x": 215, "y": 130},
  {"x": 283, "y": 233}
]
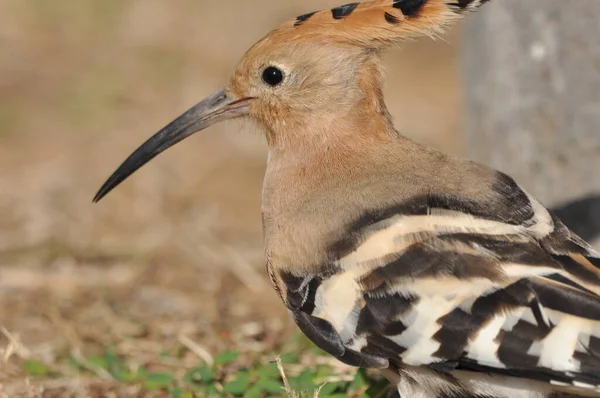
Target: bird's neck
[{"x": 353, "y": 129}]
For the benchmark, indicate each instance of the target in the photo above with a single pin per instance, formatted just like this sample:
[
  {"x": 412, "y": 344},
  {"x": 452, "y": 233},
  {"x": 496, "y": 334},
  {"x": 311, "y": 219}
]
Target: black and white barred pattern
[{"x": 435, "y": 286}]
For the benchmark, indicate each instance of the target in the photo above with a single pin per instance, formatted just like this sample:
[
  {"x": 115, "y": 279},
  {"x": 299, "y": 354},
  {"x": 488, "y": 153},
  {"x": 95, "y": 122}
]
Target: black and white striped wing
[{"x": 456, "y": 291}]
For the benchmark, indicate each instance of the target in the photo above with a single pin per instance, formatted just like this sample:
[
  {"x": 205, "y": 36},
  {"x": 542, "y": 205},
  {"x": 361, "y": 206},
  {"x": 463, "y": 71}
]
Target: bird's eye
[{"x": 272, "y": 76}]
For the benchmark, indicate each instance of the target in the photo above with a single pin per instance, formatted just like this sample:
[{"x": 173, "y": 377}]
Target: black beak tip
[
  {"x": 99, "y": 195},
  {"x": 108, "y": 186},
  {"x": 97, "y": 198}
]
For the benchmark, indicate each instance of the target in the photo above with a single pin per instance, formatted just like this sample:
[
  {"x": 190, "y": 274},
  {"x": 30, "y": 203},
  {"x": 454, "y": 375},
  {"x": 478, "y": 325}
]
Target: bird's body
[
  {"x": 441, "y": 272},
  {"x": 461, "y": 288}
]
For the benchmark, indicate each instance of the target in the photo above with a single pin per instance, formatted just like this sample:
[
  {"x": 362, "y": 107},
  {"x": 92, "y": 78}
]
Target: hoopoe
[{"x": 443, "y": 273}]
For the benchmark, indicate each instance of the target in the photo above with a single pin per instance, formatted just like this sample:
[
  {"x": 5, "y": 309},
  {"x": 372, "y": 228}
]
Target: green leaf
[
  {"x": 289, "y": 357},
  {"x": 200, "y": 375},
  {"x": 272, "y": 386},
  {"x": 253, "y": 392},
  {"x": 239, "y": 384},
  {"x": 304, "y": 381},
  {"x": 99, "y": 362},
  {"x": 36, "y": 368},
  {"x": 269, "y": 372},
  {"x": 360, "y": 380},
  {"x": 175, "y": 392},
  {"x": 212, "y": 391},
  {"x": 158, "y": 380},
  {"x": 226, "y": 357},
  {"x": 126, "y": 376},
  {"x": 323, "y": 372},
  {"x": 142, "y": 372},
  {"x": 111, "y": 360},
  {"x": 332, "y": 387}
]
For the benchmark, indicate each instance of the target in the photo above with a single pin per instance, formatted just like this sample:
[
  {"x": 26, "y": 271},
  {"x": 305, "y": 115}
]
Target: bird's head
[
  {"x": 299, "y": 87},
  {"x": 310, "y": 80}
]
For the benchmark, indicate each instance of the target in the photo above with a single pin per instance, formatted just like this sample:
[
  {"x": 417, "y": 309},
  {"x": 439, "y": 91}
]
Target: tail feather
[{"x": 580, "y": 262}]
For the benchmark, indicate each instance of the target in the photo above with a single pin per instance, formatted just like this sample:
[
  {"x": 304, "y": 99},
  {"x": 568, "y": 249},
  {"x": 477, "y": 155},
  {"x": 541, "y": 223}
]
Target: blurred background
[{"x": 171, "y": 261}]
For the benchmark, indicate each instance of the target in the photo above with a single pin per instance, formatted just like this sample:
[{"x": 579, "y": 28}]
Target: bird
[{"x": 442, "y": 273}]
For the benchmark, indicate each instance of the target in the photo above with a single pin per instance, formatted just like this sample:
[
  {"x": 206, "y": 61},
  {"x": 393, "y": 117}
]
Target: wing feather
[
  {"x": 454, "y": 295},
  {"x": 448, "y": 288}
]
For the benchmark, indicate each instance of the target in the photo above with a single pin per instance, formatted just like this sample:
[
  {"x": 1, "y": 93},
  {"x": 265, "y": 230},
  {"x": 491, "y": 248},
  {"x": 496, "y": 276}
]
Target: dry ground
[{"x": 172, "y": 260}]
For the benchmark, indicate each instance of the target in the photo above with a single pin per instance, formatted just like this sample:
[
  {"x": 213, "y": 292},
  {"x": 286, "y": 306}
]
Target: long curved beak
[{"x": 211, "y": 110}]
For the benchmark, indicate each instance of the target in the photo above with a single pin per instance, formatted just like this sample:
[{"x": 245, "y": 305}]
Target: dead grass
[{"x": 166, "y": 273}]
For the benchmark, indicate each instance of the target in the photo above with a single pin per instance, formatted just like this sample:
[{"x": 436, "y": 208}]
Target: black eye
[{"x": 272, "y": 76}]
